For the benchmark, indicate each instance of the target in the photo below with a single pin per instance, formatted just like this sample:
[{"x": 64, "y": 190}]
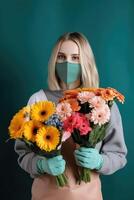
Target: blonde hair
[{"x": 89, "y": 76}]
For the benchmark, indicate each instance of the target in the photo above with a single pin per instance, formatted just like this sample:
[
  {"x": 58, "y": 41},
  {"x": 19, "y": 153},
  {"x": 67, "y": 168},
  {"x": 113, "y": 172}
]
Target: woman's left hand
[{"x": 88, "y": 158}]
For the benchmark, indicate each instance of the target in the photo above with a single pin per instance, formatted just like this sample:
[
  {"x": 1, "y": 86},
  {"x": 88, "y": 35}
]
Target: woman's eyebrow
[
  {"x": 71, "y": 54},
  {"x": 60, "y": 52},
  {"x": 75, "y": 54}
]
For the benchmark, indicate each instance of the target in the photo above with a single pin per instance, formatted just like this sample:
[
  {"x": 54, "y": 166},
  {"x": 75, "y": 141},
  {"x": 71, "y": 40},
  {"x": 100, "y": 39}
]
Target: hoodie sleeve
[
  {"x": 27, "y": 159},
  {"x": 114, "y": 149}
]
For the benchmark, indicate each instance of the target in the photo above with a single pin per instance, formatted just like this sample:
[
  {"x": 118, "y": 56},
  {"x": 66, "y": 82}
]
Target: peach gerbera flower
[
  {"x": 85, "y": 96},
  {"x": 97, "y": 102},
  {"x": 100, "y": 116},
  {"x": 64, "y": 110}
]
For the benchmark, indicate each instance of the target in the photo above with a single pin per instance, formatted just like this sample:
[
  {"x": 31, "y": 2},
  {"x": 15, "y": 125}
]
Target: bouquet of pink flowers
[{"x": 85, "y": 113}]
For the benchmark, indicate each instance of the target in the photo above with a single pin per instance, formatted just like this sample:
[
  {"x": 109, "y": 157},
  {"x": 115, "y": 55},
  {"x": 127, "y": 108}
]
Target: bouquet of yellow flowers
[
  {"x": 40, "y": 127},
  {"x": 85, "y": 113}
]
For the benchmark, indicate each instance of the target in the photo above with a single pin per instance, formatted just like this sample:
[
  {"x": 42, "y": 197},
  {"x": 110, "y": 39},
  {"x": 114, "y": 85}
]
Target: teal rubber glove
[
  {"x": 53, "y": 166},
  {"x": 88, "y": 158}
]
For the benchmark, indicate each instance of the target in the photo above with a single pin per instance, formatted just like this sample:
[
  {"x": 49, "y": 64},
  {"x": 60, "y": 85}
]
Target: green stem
[
  {"x": 86, "y": 175},
  {"x": 61, "y": 180},
  {"x": 65, "y": 179},
  {"x": 57, "y": 181}
]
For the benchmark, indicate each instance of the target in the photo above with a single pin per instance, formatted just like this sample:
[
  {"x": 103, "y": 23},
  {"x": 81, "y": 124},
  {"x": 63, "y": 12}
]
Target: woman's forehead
[{"x": 69, "y": 47}]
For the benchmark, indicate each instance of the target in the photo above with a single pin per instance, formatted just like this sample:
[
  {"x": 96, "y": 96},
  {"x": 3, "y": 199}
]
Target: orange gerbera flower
[
  {"x": 67, "y": 97},
  {"x": 107, "y": 94},
  {"x": 118, "y": 95},
  {"x": 121, "y": 98},
  {"x": 74, "y": 104},
  {"x": 70, "y": 94},
  {"x": 89, "y": 89},
  {"x": 61, "y": 99},
  {"x": 98, "y": 91}
]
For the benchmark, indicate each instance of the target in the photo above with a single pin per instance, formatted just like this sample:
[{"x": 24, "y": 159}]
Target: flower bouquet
[
  {"x": 85, "y": 114},
  {"x": 40, "y": 128}
]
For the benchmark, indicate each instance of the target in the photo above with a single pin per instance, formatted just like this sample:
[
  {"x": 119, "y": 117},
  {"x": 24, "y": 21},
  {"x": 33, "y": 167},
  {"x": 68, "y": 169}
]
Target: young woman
[{"x": 72, "y": 65}]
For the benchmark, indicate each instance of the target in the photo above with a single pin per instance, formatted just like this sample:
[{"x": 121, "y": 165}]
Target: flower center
[
  {"x": 18, "y": 128},
  {"x": 35, "y": 130},
  {"x": 107, "y": 92},
  {"x": 43, "y": 112},
  {"x": 25, "y": 115},
  {"x": 62, "y": 108},
  {"x": 48, "y": 137}
]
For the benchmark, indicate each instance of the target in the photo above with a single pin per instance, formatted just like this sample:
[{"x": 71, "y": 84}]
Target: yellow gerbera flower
[
  {"x": 16, "y": 127},
  {"x": 30, "y": 129},
  {"x": 24, "y": 112},
  {"x": 42, "y": 110},
  {"x": 48, "y": 138}
]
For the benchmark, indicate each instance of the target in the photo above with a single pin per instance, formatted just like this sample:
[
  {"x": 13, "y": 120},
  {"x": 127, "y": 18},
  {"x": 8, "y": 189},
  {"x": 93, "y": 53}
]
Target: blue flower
[{"x": 54, "y": 120}]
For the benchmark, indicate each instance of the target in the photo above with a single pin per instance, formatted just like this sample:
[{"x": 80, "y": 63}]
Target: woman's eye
[
  {"x": 61, "y": 57},
  {"x": 75, "y": 58}
]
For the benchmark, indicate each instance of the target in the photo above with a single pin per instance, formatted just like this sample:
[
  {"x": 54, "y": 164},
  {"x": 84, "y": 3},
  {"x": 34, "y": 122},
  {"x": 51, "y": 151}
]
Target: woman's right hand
[{"x": 53, "y": 166}]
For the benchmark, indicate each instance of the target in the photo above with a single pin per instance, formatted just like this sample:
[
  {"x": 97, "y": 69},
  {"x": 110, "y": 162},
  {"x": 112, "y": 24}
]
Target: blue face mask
[{"x": 68, "y": 72}]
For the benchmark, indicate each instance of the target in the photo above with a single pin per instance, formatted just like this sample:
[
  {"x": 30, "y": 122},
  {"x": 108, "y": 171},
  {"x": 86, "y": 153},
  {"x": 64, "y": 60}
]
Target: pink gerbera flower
[
  {"x": 85, "y": 128},
  {"x": 77, "y": 121},
  {"x": 68, "y": 124}
]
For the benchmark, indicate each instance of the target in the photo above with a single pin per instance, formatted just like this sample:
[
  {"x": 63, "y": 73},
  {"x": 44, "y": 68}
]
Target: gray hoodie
[{"x": 112, "y": 148}]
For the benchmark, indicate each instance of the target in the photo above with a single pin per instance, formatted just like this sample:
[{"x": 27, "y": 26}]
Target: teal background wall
[{"x": 28, "y": 31}]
